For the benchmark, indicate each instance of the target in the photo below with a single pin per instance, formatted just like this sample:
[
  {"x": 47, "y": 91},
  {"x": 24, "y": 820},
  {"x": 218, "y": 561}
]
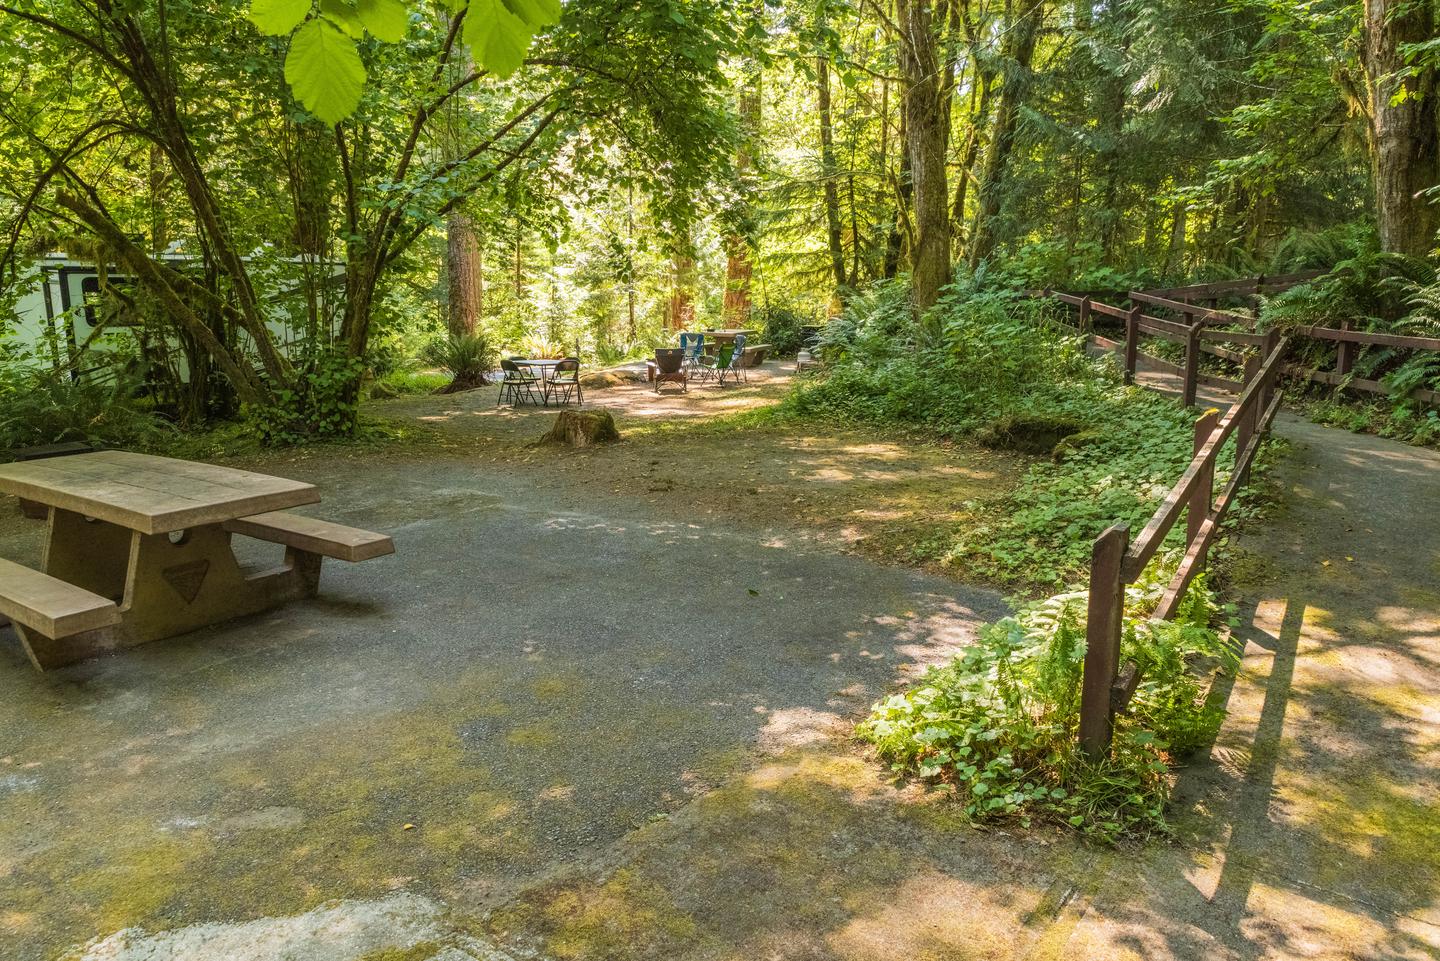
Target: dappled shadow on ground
[
  {"x": 477, "y": 413},
  {"x": 598, "y": 706},
  {"x": 1315, "y": 825},
  {"x": 809, "y": 855},
  {"x": 1311, "y": 830},
  {"x": 814, "y": 855},
  {"x": 893, "y": 497}
]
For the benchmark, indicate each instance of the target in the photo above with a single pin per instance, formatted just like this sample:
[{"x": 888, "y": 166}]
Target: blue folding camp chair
[{"x": 693, "y": 346}]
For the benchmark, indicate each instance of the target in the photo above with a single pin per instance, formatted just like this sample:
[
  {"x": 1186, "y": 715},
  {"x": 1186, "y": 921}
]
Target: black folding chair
[
  {"x": 518, "y": 384},
  {"x": 564, "y": 381}
]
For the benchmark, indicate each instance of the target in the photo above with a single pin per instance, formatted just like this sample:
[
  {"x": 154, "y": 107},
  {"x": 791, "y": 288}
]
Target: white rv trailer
[{"x": 55, "y": 311}]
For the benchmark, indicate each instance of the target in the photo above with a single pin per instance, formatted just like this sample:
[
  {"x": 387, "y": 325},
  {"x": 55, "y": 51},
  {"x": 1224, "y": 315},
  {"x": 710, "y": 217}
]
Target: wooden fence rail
[
  {"x": 1243, "y": 287},
  {"x": 1117, "y": 561},
  {"x": 1191, "y": 312},
  {"x": 1200, "y": 336},
  {"x": 1197, "y": 334}
]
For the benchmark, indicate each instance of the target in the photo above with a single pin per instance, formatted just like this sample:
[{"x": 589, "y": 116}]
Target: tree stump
[{"x": 581, "y": 428}]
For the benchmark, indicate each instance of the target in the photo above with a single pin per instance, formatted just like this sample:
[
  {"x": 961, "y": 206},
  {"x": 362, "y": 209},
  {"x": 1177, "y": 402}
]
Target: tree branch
[{"x": 90, "y": 43}]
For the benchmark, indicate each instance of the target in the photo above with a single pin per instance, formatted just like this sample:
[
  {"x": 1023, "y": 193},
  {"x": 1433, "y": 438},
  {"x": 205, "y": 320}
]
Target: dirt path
[{"x": 876, "y": 492}]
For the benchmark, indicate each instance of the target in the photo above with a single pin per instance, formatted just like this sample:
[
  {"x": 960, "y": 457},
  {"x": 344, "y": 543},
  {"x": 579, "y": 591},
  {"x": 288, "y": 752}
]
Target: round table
[{"x": 542, "y": 367}]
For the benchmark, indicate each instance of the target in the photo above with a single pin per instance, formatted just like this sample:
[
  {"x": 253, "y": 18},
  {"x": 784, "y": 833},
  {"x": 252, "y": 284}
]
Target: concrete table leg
[{"x": 165, "y": 584}]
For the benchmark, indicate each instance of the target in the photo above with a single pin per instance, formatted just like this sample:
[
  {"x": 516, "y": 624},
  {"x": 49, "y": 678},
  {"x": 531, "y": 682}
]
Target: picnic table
[
  {"x": 727, "y": 335},
  {"x": 139, "y": 549}
]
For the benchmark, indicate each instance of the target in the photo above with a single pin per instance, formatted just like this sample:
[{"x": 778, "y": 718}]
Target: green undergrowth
[
  {"x": 403, "y": 383},
  {"x": 999, "y": 724},
  {"x": 235, "y": 440},
  {"x": 1375, "y": 293},
  {"x": 1411, "y": 423},
  {"x": 979, "y": 362}
]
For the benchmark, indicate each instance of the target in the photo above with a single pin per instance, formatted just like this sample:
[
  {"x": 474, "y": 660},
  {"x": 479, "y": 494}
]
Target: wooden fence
[
  {"x": 1196, "y": 321},
  {"x": 1209, "y": 330},
  {"x": 1117, "y": 561},
  {"x": 1195, "y": 332},
  {"x": 1245, "y": 288}
]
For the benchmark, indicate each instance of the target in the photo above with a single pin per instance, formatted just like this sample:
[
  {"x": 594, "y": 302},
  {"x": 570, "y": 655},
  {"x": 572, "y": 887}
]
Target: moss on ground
[
  {"x": 418, "y": 952},
  {"x": 153, "y": 849}
]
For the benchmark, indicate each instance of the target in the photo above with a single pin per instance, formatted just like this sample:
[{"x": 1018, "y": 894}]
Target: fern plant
[
  {"x": 40, "y": 407},
  {"x": 467, "y": 358}
]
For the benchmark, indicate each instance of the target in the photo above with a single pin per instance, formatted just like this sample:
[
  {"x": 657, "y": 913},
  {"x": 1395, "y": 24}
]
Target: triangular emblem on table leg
[{"x": 187, "y": 579}]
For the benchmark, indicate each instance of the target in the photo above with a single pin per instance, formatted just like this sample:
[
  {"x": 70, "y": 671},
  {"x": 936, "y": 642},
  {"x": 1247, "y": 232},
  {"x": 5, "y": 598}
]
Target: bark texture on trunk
[
  {"x": 464, "y": 274},
  {"x": 738, "y": 272},
  {"x": 902, "y": 234},
  {"x": 833, "y": 234},
  {"x": 1175, "y": 256},
  {"x": 1404, "y": 135},
  {"x": 927, "y": 131},
  {"x": 982, "y": 86},
  {"x": 1017, "y": 50},
  {"x": 464, "y": 258},
  {"x": 681, "y": 312},
  {"x": 739, "y": 268}
]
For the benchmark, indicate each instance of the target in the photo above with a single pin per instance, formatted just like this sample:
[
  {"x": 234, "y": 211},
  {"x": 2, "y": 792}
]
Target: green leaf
[
  {"x": 535, "y": 13},
  {"x": 324, "y": 70},
  {"x": 498, "y": 38},
  {"x": 278, "y": 17},
  {"x": 386, "y": 20},
  {"x": 343, "y": 15}
]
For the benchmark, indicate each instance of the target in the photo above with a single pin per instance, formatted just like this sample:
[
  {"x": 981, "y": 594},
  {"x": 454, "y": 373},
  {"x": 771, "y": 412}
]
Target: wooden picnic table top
[
  {"x": 152, "y": 495},
  {"x": 727, "y": 333}
]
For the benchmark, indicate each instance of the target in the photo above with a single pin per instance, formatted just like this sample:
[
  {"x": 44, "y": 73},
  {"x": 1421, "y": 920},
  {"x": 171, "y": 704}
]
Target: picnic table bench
[{"x": 139, "y": 549}]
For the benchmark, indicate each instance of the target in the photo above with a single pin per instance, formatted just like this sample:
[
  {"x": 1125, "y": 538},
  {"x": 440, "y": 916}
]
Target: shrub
[
  {"x": 467, "y": 358},
  {"x": 999, "y": 724},
  {"x": 540, "y": 347},
  {"x": 983, "y": 360},
  {"x": 782, "y": 328},
  {"x": 323, "y": 404},
  {"x": 1380, "y": 293}
]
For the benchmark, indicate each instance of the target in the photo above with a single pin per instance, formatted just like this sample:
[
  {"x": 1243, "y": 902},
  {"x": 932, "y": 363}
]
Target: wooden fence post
[
  {"x": 1272, "y": 338},
  {"x": 1132, "y": 343},
  {"x": 1344, "y": 352},
  {"x": 1102, "y": 639},
  {"x": 1084, "y": 322},
  {"x": 1246, "y": 426},
  {"x": 1200, "y": 498},
  {"x": 1192, "y": 364}
]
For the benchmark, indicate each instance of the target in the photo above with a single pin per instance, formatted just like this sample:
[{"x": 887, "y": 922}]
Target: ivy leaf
[
  {"x": 386, "y": 20},
  {"x": 498, "y": 38},
  {"x": 324, "y": 70},
  {"x": 276, "y": 18}
]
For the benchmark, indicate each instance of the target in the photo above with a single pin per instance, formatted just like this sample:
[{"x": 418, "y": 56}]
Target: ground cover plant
[
  {"x": 999, "y": 723},
  {"x": 40, "y": 406}
]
